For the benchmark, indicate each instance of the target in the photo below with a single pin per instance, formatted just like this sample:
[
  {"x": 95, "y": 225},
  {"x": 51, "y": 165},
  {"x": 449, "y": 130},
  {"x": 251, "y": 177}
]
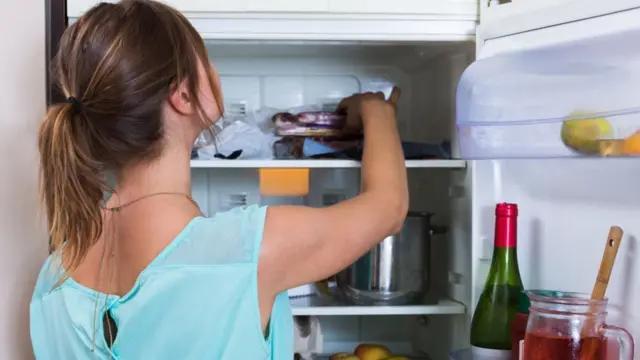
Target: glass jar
[
  {"x": 519, "y": 325},
  {"x": 567, "y": 326}
]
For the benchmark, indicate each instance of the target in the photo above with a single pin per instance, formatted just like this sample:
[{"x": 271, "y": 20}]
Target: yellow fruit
[
  {"x": 631, "y": 144},
  {"x": 582, "y": 135},
  {"x": 343, "y": 356},
  {"x": 372, "y": 352}
]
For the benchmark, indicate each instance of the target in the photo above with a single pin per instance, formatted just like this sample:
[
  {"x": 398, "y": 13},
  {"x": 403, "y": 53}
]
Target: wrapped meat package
[{"x": 310, "y": 124}]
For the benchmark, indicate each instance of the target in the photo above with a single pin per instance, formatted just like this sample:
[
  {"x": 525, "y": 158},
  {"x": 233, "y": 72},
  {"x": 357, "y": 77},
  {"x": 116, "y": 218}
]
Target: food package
[{"x": 310, "y": 123}]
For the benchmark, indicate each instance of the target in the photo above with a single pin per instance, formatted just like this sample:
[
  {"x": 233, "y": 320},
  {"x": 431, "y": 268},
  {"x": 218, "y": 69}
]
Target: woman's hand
[{"x": 358, "y": 107}]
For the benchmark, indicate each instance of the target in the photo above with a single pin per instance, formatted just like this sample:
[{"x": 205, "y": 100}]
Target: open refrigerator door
[{"x": 550, "y": 119}]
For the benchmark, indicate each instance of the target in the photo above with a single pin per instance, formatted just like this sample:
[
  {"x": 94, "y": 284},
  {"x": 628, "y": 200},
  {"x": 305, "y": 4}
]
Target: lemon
[{"x": 582, "y": 135}]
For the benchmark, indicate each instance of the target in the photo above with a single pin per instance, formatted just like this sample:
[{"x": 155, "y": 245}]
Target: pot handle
[
  {"x": 438, "y": 229},
  {"x": 433, "y": 229}
]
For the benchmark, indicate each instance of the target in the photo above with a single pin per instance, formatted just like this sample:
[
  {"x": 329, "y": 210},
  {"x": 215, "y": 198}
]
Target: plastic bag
[{"x": 240, "y": 135}]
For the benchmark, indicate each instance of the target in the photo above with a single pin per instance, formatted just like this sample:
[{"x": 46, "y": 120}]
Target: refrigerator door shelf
[{"x": 515, "y": 105}]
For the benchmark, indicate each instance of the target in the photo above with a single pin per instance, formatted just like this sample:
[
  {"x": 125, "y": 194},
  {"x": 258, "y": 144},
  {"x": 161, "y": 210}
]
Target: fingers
[
  {"x": 395, "y": 95},
  {"x": 344, "y": 104},
  {"x": 393, "y": 98},
  {"x": 348, "y": 101}
]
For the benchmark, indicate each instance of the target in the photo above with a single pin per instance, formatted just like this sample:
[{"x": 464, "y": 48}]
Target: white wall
[{"x": 22, "y": 105}]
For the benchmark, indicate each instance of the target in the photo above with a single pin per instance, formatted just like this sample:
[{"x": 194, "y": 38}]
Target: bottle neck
[
  {"x": 504, "y": 266},
  {"x": 506, "y": 232}
]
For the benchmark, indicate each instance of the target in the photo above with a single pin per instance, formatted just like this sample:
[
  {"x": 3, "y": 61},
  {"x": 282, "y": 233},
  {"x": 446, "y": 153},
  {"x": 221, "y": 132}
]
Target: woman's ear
[{"x": 179, "y": 100}]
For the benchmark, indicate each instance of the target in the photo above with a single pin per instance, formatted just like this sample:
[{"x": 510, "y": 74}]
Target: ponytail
[
  {"x": 123, "y": 82},
  {"x": 71, "y": 184}
]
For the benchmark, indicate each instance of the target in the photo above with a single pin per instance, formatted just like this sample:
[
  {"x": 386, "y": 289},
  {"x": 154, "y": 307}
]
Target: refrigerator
[{"x": 463, "y": 66}]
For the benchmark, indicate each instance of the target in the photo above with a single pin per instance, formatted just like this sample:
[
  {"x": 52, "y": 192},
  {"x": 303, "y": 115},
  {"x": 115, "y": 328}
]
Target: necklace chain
[{"x": 119, "y": 208}]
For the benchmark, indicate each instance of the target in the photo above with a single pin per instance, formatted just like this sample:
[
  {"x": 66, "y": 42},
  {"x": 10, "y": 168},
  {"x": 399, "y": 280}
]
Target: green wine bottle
[{"x": 498, "y": 304}]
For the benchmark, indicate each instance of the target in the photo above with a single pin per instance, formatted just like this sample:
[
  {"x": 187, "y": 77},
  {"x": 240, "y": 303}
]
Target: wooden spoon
[{"x": 590, "y": 348}]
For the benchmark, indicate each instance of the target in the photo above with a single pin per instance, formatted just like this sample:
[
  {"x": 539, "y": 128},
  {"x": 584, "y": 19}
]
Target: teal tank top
[{"x": 197, "y": 300}]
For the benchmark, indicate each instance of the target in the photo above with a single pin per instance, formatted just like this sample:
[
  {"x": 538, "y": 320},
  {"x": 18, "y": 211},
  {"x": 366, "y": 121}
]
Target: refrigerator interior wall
[{"x": 283, "y": 75}]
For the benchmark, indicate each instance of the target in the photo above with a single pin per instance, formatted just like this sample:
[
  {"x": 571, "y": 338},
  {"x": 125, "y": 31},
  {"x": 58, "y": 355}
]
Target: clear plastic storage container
[{"x": 575, "y": 99}]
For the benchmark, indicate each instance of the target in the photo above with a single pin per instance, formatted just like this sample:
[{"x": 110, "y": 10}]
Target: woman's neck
[{"x": 171, "y": 172}]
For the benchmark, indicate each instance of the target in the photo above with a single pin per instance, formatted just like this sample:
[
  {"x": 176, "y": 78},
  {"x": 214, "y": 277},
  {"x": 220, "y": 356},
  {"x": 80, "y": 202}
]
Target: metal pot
[{"x": 396, "y": 271}]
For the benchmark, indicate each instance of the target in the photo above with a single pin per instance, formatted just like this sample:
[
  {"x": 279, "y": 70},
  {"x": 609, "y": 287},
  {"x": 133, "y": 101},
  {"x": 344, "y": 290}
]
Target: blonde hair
[{"x": 117, "y": 65}]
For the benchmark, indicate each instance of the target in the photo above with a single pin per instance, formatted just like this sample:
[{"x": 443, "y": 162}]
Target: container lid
[{"x": 523, "y": 303}]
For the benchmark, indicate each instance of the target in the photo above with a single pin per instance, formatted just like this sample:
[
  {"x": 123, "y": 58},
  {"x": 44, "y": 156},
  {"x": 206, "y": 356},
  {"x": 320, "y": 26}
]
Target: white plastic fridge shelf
[
  {"x": 311, "y": 164},
  {"x": 314, "y": 306},
  {"x": 537, "y": 102}
]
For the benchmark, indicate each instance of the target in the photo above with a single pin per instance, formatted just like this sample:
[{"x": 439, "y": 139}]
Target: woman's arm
[{"x": 304, "y": 244}]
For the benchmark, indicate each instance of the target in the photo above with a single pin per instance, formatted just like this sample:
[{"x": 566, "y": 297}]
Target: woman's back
[
  {"x": 140, "y": 88},
  {"x": 198, "y": 299}
]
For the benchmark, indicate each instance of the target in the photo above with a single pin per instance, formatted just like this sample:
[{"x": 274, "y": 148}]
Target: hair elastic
[{"x": 77, "y": 105}]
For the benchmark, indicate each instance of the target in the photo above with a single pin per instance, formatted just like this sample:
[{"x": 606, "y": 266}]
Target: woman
[{"x": 144, "y": 275}]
